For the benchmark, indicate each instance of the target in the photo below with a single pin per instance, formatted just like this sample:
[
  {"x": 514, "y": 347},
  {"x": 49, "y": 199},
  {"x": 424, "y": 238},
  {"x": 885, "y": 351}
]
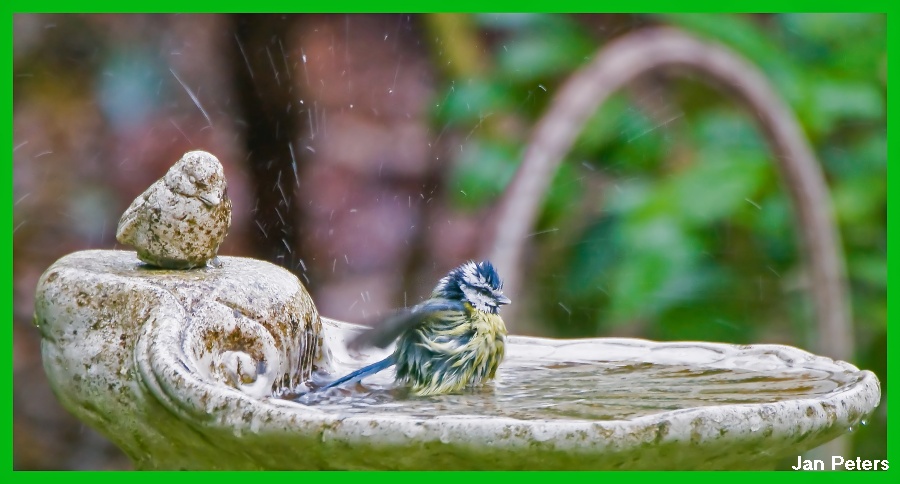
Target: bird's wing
[
  {"x": 131, "y": 218},
  {"x": 387, "y": 330}
]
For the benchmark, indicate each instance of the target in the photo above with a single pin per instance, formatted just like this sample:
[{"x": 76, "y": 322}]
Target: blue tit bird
[{"x": 453, "y": 340}]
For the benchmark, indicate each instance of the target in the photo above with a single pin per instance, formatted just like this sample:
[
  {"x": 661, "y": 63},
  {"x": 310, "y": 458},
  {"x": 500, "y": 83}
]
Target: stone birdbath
[{"x": 186, "y": 360}]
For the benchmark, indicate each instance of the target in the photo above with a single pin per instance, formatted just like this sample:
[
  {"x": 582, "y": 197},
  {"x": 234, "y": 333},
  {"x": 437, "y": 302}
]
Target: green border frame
[
  {"x": 414, "y": 6},
  {"x": 92, "y": 6}
]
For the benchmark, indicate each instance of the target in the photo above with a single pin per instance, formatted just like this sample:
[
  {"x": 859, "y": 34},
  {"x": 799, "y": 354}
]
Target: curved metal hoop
[{"x": 661, "y": 48}]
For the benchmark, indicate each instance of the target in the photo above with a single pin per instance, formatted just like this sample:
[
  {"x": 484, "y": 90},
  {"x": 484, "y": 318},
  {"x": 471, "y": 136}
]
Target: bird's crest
[{"x": 476, "y": 283}]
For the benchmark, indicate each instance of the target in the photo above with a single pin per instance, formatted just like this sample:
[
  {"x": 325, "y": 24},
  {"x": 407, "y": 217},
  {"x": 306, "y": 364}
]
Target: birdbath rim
[
  {"x": 754, "y": 435},
  {"x": 714, "y": 355}
]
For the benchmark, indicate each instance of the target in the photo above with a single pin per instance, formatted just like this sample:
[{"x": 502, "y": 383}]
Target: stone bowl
[{"x": 199, "y": 369}]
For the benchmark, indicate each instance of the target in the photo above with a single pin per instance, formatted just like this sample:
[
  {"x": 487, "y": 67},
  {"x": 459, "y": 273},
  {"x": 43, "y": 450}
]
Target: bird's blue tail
[{"x": 362, "y": 372}]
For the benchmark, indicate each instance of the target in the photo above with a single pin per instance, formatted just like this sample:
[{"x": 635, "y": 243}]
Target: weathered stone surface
[
  {"x": 153, "y": 358},
  {"x": 184, "y": 369},
  {"x": 180, "y": 221}
]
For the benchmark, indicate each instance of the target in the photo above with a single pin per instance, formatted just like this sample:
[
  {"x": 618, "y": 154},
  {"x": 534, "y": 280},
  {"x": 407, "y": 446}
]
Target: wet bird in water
[{"x": 451, "y": 341}]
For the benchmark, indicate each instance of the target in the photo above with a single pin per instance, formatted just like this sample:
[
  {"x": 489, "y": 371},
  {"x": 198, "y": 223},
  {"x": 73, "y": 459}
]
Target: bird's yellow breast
[{"x": 452, "y": 351}]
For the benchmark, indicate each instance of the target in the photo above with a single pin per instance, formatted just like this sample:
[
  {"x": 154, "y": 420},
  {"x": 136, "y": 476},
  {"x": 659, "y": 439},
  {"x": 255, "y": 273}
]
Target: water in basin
[{"x": 592, "y": 390}]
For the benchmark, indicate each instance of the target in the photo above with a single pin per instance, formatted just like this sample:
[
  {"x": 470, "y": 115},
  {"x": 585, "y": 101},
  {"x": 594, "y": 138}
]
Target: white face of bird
[{"x": 482, "y": 287}]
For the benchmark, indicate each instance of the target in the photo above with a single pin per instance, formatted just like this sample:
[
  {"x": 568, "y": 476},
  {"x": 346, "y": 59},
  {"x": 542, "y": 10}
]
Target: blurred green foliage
[{"x": 688, "y": 233}]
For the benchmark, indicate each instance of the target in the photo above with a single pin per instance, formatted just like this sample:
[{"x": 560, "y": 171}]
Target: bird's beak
[{"x": 501, "y": 299}]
